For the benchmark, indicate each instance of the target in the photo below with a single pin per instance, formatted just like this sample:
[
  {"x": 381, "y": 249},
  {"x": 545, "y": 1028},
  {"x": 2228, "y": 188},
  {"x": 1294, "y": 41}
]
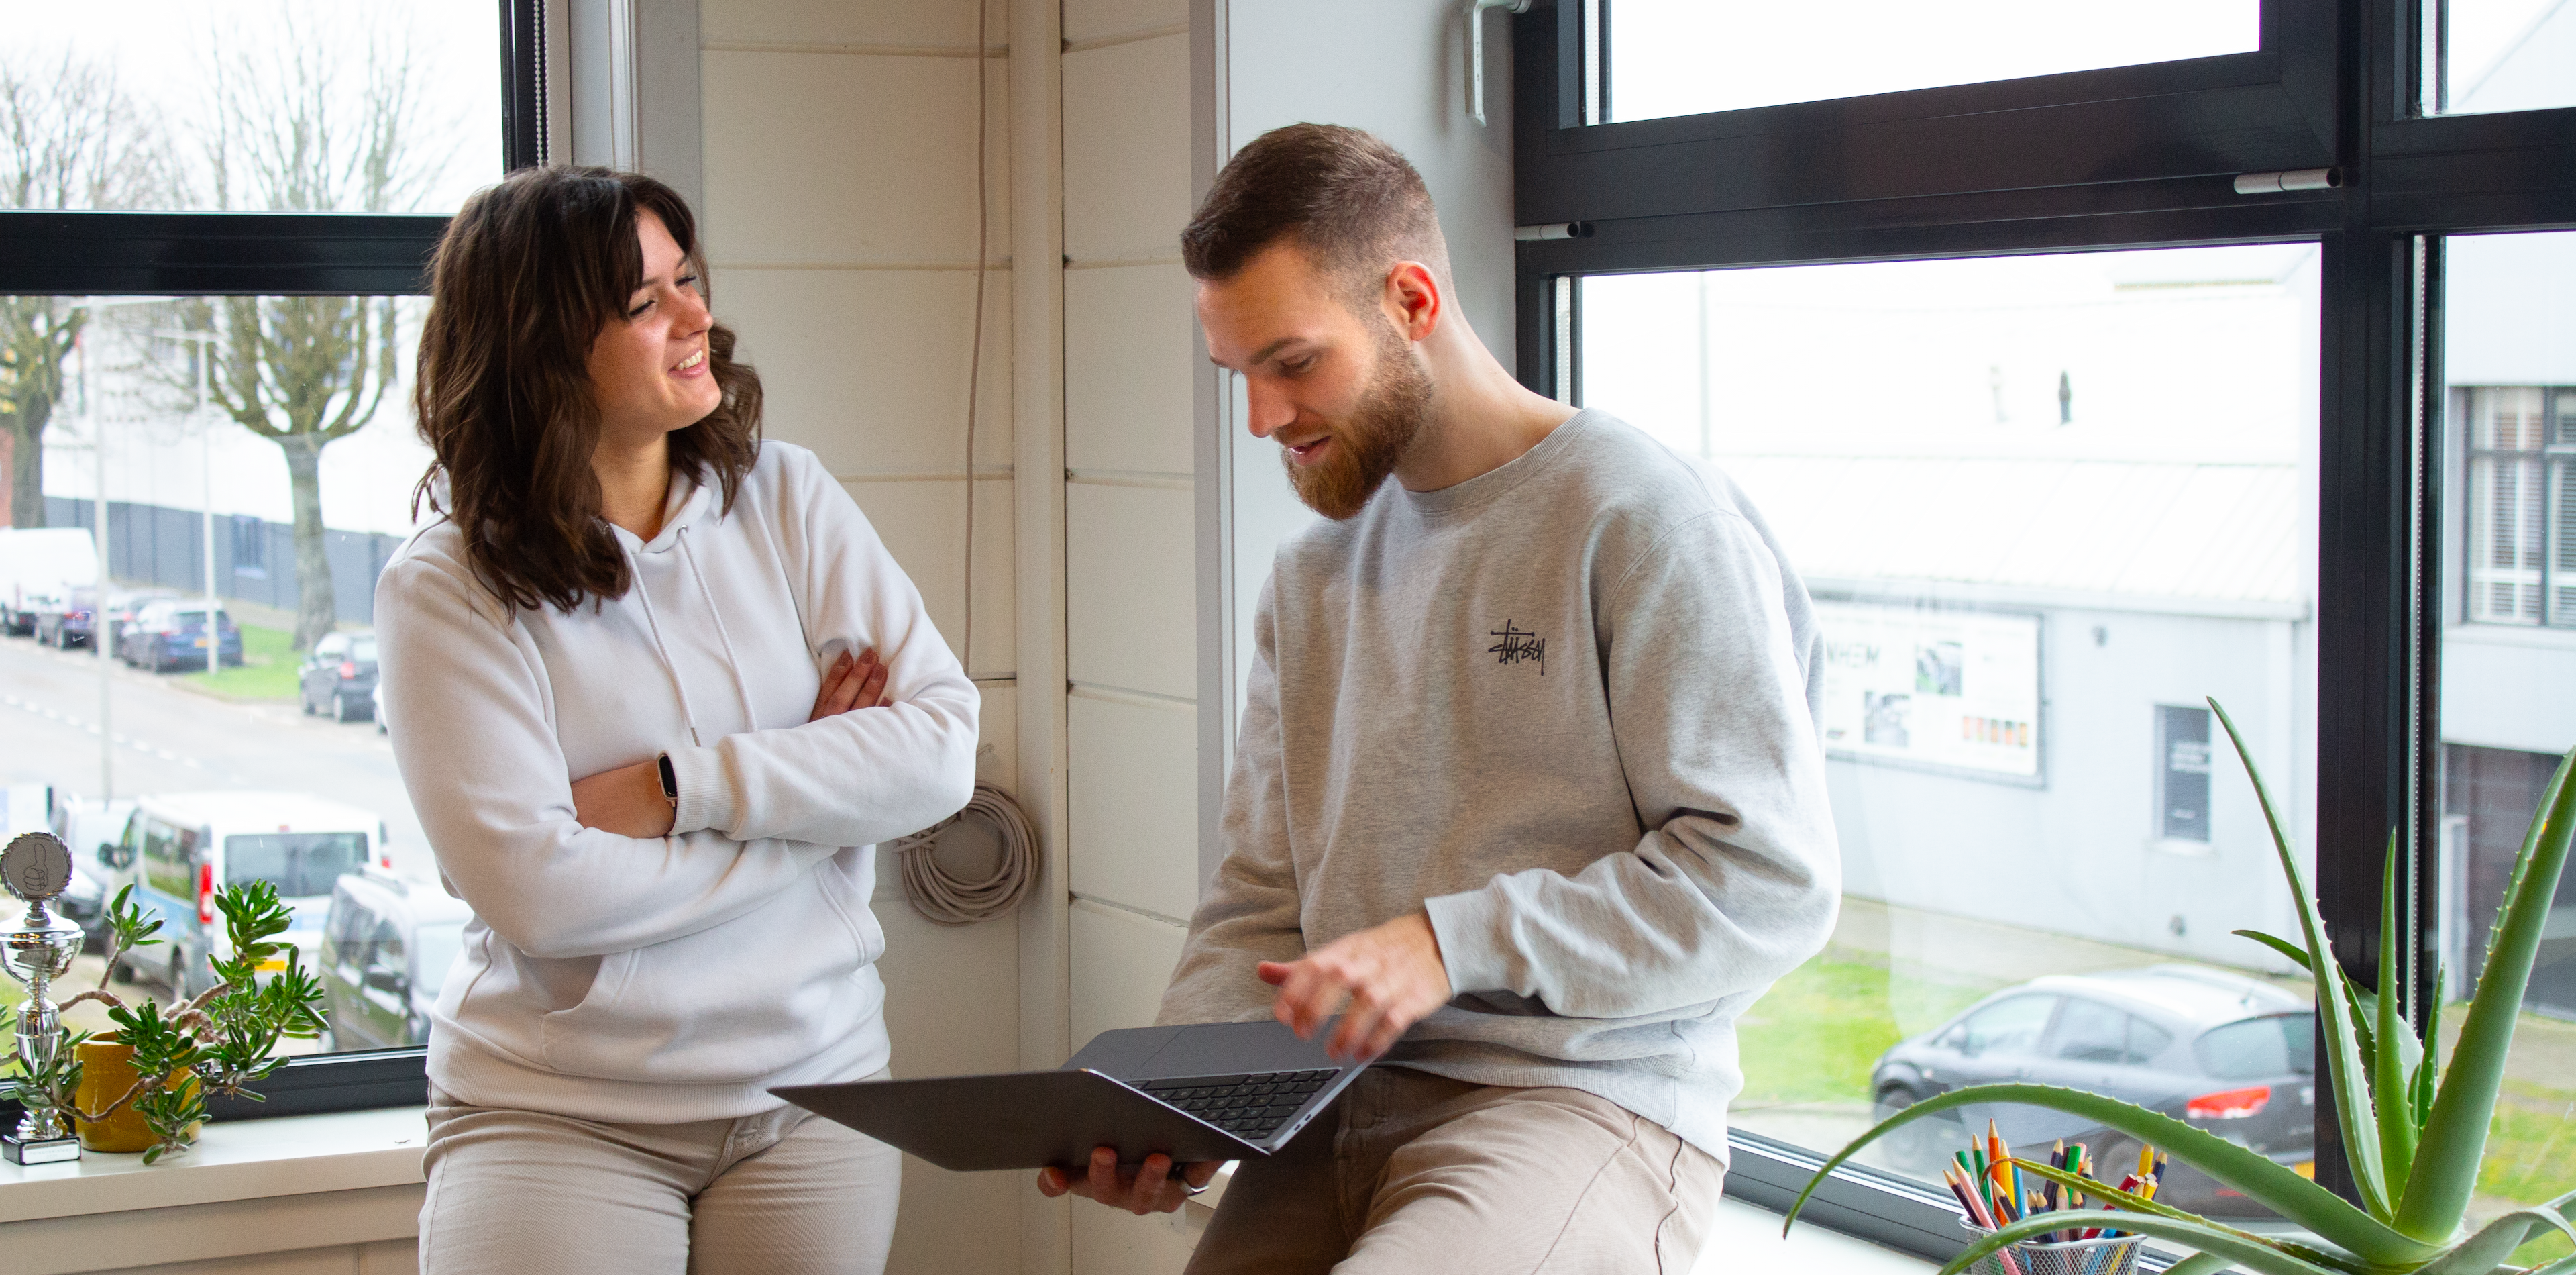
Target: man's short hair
[{"x": 1352, "y": 202}]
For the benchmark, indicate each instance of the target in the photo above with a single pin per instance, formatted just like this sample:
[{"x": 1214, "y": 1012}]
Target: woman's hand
[
  {"x": 851, "y": 683},
  {"x": 627, "y": 801}
]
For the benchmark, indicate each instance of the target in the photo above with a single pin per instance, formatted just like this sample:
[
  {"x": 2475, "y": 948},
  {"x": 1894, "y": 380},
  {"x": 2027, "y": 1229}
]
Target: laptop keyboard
[{"x": 1251, "y": 1107}]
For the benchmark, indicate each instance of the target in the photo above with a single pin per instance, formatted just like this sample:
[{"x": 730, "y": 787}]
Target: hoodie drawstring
[
  {"x": 741, "y": 688},
  {"x": 688, "y": 715}
]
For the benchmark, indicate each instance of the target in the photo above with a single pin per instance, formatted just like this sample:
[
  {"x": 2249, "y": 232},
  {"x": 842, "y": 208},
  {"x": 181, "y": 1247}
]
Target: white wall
[
  {"x": 840, "y": 219},
  {"x": 1130, "y": 600},
  {"x": 1398, "y": 69}
]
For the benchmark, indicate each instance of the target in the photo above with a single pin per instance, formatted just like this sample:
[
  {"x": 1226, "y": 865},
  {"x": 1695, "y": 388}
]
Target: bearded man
[{"x": 1529, "y": 789}]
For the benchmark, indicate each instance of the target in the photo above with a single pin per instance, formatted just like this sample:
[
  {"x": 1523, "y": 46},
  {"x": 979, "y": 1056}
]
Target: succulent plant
[
  {"x": 224, "y": 1038},
  {"x": 2413, "y": 1134}
]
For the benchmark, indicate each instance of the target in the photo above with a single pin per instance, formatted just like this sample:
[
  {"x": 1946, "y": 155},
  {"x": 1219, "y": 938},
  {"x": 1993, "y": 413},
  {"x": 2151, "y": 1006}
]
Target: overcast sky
[
  {"x": 1684, "y": 57},
  {"x": 160, "y": 49}
]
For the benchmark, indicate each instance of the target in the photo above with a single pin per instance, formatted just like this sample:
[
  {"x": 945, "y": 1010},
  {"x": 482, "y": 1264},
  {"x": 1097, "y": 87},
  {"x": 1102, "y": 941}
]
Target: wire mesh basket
[{"x": 2111, "y": 1256}]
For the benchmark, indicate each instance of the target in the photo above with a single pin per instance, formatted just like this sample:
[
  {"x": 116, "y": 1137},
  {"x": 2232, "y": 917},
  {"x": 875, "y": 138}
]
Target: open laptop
[{"x": 1207, "y": 1091}]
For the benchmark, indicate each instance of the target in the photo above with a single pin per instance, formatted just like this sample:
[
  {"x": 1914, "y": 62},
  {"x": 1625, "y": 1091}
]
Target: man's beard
[{"x": 1367, "y": 449}]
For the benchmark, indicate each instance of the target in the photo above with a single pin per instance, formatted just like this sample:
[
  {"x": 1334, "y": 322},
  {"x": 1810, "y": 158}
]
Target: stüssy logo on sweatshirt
[{"x": 1515, "y": 646}]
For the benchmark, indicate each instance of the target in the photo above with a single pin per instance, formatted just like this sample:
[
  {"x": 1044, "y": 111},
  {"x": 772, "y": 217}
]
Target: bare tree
[
  {"x": 70, "y": 138},
  {"x": 328, "y": 118}
]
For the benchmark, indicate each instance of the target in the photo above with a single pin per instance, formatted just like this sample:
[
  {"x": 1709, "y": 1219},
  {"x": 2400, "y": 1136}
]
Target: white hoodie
[{"x": 673, "y": 979}]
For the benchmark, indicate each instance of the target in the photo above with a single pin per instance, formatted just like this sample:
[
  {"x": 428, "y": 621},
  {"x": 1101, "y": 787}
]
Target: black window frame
[
  {"x": 280, "y": 254},
  {"x": 2131, "y": 157}
]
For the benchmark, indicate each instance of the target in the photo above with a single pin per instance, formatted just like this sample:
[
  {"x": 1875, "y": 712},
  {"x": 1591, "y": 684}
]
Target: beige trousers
[
  {"x": 782, "y": 1193},
  {"x": 1411, "y": 1173}
]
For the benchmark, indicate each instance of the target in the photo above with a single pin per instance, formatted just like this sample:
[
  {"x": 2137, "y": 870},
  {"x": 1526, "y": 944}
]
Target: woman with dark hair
[{"x": 656, "y": 690}]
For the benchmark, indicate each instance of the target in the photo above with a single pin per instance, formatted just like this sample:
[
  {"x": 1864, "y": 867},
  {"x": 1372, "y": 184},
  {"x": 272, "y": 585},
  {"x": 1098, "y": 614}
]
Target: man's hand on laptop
[
  {"x": 1150, "y": 1187},
  {"x": 1391, "y": 976}
]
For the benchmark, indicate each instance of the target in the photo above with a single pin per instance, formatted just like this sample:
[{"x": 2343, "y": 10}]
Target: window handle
[{"x": 1476, "y": 50}]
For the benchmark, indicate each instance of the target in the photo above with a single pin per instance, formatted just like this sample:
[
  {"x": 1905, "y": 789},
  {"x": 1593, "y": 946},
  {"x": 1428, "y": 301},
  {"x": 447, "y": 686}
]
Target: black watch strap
[{"x": 670, "y": 781}]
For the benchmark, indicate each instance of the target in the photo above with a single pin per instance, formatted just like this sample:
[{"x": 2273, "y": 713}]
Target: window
[
  {"x": 2505, "y": 414},
  {"x": 2146, "y": 1042},
  {"x": 2483, "y": 56},
  {"x": 2048, "y": 536},
  {"x": 168, "y": 862},
  {"x": 300, "y": 865},
  {"x": 208, "y": 310},
  {"x": 2182, "y": 775},
  {"x": 2522, "y": 502},
  {"x": 250, "y": 546},
  {"x": 2259, "y": 1047},
  {"x": 1687, "y": 57},
  {"x": 1955, "y": 334},
  {"x": 402, "y": 98},
  {"x": 2009, "y": 1027},
  {"x": 2088, "y": 1031}
]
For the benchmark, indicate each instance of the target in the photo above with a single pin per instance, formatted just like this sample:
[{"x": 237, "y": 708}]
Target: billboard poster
[{"x": 1955, "y": 689}]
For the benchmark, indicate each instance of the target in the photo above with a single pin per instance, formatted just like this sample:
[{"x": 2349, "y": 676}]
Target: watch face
[{"x": 37, "y": 866}]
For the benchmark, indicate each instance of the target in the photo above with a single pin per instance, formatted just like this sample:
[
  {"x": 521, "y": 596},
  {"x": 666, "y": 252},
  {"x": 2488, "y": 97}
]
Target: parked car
[
  {"x": 178, "y": 849},
  {"x": 38, "y": 564},
  {"x": 171, "y": 634},
  {"x": 70, "y": 622},
  {"x": 122, "y": 605},
  {"x": 385, "y": 952},
  {"x": 89, "y": 825},
  {"x": 2225, "y": 1052},
  {"x": 339, "y": 677}
]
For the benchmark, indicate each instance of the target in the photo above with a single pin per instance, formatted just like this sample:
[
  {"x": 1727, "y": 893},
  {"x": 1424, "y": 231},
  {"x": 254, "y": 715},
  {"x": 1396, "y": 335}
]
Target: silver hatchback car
[{"x": 2224, "y": 1052}]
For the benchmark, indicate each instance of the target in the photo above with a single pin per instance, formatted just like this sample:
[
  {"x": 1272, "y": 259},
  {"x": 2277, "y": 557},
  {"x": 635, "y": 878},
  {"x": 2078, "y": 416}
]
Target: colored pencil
[
  {"x": 1967, "y": 1202},
  {"x": 2011, "y": 1182}
]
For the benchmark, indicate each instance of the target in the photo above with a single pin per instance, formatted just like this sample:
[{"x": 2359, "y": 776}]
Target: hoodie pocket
[
  {"x": 851, "y": 901},
  {"x": 731, "y": 1004}
]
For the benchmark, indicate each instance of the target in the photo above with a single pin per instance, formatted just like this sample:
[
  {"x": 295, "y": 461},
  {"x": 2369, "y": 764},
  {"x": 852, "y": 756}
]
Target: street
[{"x": 171, "y": 739}]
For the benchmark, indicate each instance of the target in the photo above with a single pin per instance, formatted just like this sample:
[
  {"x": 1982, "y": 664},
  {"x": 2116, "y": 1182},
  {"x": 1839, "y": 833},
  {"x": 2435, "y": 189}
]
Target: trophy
[{"x": 37, "y": 867}]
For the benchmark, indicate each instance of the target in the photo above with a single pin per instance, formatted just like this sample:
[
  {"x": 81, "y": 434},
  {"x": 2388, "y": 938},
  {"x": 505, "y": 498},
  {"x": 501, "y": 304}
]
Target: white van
[
  {"x": 41, "y": 566},
  {"x": 179, "y": 848}
]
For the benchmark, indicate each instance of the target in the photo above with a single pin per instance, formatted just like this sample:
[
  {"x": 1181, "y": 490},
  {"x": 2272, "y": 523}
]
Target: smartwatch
[{"x": 670, "y": 781}]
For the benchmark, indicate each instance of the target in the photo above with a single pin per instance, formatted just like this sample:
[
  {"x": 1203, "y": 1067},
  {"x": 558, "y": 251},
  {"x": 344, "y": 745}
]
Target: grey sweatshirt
[{"x": 1569, "y": 707}]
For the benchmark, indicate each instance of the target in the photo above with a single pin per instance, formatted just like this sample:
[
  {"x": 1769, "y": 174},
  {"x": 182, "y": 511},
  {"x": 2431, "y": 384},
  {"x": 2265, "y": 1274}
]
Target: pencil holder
[{"x": 2081, "y": 1257}]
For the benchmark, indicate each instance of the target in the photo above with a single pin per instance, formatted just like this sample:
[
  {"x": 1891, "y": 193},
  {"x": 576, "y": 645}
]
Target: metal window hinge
[
  {"x": 2294, "y": 179},
  {"x": 1553, "y": 230},
  {"x": 1476, "y": 50}
]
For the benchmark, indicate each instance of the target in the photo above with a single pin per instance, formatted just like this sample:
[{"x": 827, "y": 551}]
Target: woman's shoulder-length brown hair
[{"x": 529, "y": 273}]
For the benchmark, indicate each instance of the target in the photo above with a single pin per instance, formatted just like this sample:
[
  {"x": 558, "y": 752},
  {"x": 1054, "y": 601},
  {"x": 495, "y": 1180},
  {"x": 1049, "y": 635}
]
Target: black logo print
[{"x": 1518, "y": 645}]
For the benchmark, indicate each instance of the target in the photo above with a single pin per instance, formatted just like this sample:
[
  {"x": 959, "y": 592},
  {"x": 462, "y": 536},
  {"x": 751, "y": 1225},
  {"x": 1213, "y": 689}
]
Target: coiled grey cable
[{"x": 945, "y": 899}]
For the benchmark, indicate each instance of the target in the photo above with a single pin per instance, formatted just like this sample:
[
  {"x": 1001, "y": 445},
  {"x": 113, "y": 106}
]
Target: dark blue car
[{"x": 172, "y": 636}]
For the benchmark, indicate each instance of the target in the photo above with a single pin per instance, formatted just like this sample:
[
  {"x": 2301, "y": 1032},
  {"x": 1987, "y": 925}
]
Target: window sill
[{"x": 232, "y": 1161}]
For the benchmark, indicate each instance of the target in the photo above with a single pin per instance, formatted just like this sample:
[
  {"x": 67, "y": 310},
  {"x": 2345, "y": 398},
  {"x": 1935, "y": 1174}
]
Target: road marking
[{"x": 121, "y": 741}]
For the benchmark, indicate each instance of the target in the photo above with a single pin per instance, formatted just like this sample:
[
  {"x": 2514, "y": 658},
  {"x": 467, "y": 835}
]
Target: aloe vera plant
[{"x": 2413, "y": 1135}]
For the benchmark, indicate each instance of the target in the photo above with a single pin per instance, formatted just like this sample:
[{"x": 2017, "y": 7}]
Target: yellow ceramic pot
[{"x": 107, "y": 1071}]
